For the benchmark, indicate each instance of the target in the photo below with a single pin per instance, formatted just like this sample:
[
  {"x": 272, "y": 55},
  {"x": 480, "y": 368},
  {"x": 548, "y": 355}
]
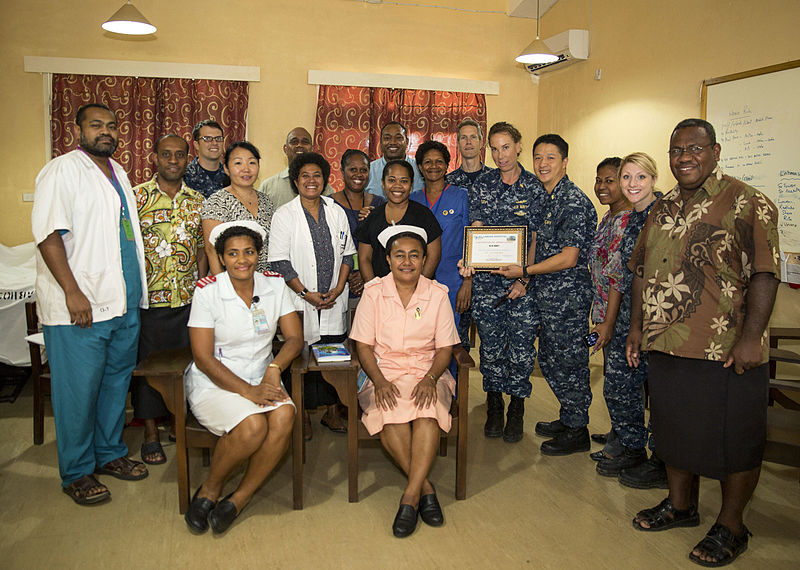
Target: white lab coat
[
  {"x": 73, "y": 194},
  {"x": 290, "y": 238}
]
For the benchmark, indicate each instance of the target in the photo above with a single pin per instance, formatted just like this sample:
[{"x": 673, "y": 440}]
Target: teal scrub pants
[{"x": 90, "y": 373}]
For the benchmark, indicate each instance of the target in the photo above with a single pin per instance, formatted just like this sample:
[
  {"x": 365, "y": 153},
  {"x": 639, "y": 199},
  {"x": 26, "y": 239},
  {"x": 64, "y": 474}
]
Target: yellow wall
[
  {"x": 285, "y": 38},
  {"x": 654, "y": 57}
]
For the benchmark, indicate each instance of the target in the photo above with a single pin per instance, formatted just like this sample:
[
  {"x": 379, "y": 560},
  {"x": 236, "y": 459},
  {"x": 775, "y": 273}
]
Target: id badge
[
  {"x": 127, "y": 227},
  {"x": 260, "y": 321}
]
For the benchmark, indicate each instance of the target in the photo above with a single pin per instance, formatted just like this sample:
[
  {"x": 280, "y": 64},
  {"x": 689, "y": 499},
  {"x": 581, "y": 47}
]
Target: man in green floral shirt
[
  {"x": 706, "y": 271},
  {"x": 169, "y": 214}
]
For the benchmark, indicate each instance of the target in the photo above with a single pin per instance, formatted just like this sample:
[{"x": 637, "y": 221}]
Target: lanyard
[
  {"x": 348, "y": 200},
  {"x": 125, "y": 221}
]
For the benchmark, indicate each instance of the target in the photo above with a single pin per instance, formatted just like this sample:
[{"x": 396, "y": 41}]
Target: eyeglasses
[
  {"x": 692, "y": 150},
  {"x": 218, "y": 138}
]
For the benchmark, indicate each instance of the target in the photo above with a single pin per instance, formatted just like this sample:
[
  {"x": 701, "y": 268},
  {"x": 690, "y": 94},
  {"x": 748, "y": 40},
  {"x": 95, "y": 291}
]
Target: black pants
[{"x": 162, "y": 328}]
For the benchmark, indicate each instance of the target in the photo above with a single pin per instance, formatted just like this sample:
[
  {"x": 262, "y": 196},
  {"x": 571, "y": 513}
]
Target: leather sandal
[
  {"x": 79, "y": 489},
  {"x": 665, "y": 516},
  {"x": 721, "y": 545},
  {"x": 153, "y": 448},
  {"x": 123, "y": 468}
]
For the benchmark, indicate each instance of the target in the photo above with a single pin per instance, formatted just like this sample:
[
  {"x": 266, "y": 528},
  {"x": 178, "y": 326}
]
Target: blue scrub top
[
  {"x": 452, "y": 212},
  {"x": 127, "y": 247}
]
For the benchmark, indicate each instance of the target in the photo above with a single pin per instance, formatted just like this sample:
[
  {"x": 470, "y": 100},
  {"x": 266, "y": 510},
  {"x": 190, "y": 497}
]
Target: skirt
[
  {"x": 707, "y": 419},
  {"x": 374, "y": 418},
  {"x": 219, "y": 411}
]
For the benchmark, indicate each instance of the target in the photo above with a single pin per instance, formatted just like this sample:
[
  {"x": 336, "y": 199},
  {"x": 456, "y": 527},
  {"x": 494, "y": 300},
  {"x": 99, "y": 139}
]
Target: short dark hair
[
  {"x": 401, "y": 125},
  {"x": 469, "y": 123},
  {"x": 237, "y": 231},
  {"x": 701, "y": 123},
  {"x": 428, "y": 146},
  {"x": 507, "y": 128},
  {"x": 351, "y": 152},
  {"x": 555, "y": 140},
  {"x": 82, "y": 111},
  {"x": 303, "y": 159},
  {"x": 205, "y": 123},
  {"x": 394, "y": 238},
  {"x": 398, "y": 162},
  {"x": 241, "y": 144},
  {"x": 171, "y": 136},
  {"x": 612, "y": 161}
]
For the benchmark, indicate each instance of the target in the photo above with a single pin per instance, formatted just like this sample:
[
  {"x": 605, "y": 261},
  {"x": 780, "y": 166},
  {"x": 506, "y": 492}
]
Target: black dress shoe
[
  {"x": 613, "y": 466},
  {"x": 494, "y": 415},
  {"x": 197, "y": 514},
  {"x": 405, "y": 521},
  {"x": 652, "y": 474},
  {"x": 598, "y": 455},
  {"x": 430, "y": 511},
  {"x": 223, "y": 515},
  {"x": 572, "y": 440},
  {"x": 550, "y": 429}
]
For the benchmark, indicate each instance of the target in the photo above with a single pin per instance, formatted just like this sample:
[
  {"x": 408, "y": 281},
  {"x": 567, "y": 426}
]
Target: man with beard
[
  {"x": 169, "y": 213},
  {"x": 394, "y": 144},
  {"x": 278, "y": 187},
  {"x": 90, "y": 282},
  {"x": 205, "y": 173}
]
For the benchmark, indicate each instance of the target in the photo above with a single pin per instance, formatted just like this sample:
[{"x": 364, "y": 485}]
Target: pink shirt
[{"x": 405, "y": 339}]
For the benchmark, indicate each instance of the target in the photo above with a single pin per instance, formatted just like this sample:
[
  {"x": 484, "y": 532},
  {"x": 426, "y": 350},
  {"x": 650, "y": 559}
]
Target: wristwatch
[{"x": 302, "y": 294}]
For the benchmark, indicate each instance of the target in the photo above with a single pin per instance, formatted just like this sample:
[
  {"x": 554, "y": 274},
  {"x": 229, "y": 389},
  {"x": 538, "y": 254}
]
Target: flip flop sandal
[
  {"x": 665, "y": 516},
  {"x": 122, "y": 468},
  {"x": 721, "y": 545},
  {"x": 151, "y": 448},
  {"x": 79, "y": 489}
]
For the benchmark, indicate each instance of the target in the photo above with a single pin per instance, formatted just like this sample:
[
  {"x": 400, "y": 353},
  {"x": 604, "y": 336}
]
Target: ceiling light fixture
[
  {"x": 129, "y": 21},
  {"x": 537, "y": 51}
]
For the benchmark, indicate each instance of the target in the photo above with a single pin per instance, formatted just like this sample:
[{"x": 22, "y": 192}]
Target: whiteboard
[{"x": 757, "y": 118}]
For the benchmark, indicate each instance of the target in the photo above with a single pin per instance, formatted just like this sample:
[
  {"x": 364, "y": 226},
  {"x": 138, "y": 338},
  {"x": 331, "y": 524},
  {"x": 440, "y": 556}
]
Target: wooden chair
[
  {"x": 40, "y": 372},
  {"x": 343, "y": 376},
  {"x": 164, "y": 372},
  {"x": 783, "y": 419}
]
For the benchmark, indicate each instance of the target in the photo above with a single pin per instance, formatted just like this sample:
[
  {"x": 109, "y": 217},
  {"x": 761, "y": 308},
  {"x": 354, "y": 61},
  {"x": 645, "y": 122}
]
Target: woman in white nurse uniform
[{"x": 234, "y": 386}]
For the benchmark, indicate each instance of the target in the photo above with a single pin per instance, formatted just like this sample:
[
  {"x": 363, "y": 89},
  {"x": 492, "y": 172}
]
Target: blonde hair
[{"x": 642, "y": 160}]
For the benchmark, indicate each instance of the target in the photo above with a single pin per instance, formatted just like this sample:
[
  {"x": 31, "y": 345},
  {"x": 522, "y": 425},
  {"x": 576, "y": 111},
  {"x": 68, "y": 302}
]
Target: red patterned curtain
[
  {"x": 351, "y": 117},
  {"x": 146, "y": 109}
]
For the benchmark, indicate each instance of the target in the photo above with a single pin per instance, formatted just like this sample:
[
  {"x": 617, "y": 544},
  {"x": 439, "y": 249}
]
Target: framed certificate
[{"x": 491, "y": 247}]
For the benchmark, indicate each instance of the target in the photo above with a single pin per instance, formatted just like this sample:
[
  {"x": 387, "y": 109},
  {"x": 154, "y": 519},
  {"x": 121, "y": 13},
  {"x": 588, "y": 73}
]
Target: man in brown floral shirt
[{"x": 706, "y": 271}]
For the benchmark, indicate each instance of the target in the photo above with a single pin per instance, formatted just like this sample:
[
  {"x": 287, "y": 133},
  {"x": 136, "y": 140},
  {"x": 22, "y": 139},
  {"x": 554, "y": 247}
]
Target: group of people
[{"x": 686, "y": 280}]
